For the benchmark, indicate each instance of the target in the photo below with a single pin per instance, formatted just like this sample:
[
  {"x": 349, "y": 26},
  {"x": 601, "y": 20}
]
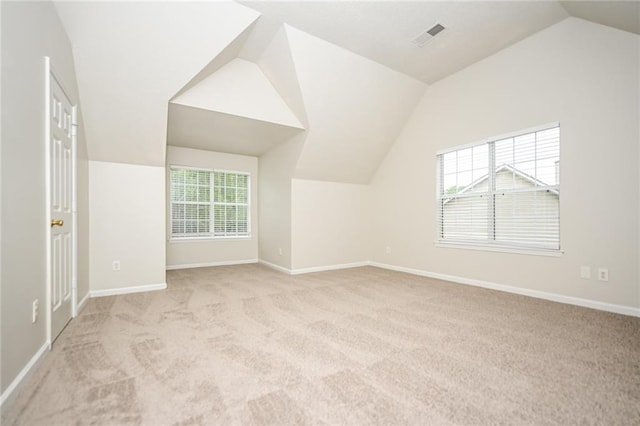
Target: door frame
[{"x": 49, "y": 75}]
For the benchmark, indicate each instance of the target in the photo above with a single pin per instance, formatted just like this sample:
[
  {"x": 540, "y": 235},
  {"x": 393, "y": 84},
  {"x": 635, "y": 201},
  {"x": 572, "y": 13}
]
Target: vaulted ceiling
[
  {"x": 235, "y": 109},
  {"x": 383, "y": 30},
  {"x": 132, "y": 57},
  {"x": 244, "y": 77}
]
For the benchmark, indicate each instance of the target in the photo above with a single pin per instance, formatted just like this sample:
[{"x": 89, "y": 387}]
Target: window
[
  {"x": 209, "y": 203},
  {"x": 503, "y": 192}
]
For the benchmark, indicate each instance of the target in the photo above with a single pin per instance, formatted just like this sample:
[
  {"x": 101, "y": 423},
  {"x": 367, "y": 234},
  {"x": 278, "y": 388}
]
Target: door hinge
[{"x": 74, "y": 130}]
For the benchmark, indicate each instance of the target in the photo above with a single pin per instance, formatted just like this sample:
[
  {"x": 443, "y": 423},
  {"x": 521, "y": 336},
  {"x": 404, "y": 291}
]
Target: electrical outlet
[
  {"x": 115, "y": 265},
  {"x": 280, "y": 251},
  {"x": 388, "y": 249},
  {"x": 585, "y": 272},
  {"x": 34, "y": 311},
  {"x": 603, "y": 274}
]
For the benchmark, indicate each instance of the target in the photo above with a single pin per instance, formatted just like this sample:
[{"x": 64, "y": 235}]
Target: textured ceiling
[{"x": 382, "y": 31}]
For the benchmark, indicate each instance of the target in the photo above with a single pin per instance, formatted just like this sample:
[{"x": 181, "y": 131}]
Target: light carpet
[{"x": 249, "y": 345}]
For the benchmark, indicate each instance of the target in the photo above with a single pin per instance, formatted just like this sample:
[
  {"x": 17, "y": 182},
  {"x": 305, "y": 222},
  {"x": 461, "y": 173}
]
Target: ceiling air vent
[{"x": 427, "y": 35}]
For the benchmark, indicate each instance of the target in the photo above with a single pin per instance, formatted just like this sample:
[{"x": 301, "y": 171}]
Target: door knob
[{"x": 57, "y": 222}]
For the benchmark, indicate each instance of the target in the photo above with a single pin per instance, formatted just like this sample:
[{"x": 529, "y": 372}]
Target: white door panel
[{"x": 61, "y": 196}]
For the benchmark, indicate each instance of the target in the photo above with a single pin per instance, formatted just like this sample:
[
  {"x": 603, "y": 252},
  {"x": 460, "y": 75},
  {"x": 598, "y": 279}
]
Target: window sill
[
  {"x": 181, "y": 240},
  {"x": 501, "y": 249}
]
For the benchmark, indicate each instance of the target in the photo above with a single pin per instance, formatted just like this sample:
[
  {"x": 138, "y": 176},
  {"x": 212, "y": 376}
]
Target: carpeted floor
[{"x": 249, "y": 345}]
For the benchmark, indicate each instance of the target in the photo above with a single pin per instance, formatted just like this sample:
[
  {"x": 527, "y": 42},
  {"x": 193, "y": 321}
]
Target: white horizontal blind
[
  {"x": 503, "y": 192},
  {"x": 463, "y": 194},
  {"x": 231, "y": 204},
  {"x": 527, "y": 189},
  {"x": 190, "y": 202},
  {"x": 209, "y": 204}
]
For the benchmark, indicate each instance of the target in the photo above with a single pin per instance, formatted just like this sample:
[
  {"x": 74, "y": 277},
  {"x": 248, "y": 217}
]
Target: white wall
[
  {"x": 353, "y": 109},
  {"x": 127, "y": 224},
  {"x": 30, "y": 31},
  {"x": 211, "y": 252},
  {"x": 330, "y": 223},
  {"x": 276, "y": 171},
  {"x": 2, "y": 387},
  {"x": 83, "y": 285},
  {"x": 581, "y": 74},
  {"x": 638, "y": 124}
]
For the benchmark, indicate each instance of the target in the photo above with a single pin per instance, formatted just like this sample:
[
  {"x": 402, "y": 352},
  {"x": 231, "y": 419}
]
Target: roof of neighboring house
[{"x": 534, "y": 181}]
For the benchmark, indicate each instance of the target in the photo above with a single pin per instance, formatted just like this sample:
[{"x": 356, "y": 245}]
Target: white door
[{"x": 62, "y": 163}]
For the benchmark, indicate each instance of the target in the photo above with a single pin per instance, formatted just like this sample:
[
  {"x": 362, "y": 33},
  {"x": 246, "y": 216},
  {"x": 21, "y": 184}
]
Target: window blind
[
  {"x": 209, "y": 203},
  {"x": 502, "y": 192}
]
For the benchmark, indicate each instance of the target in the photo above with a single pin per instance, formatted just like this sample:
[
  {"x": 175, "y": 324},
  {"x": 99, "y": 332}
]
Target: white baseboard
[
  {"x": 127, "y": 290},
  {"x": 329, "y": 267},
  {"x": 24, "y": 372},
  {"x": 274, "y": 266},
  {"x": 314, "y": 268},
  {"x": 602, "y": 306},
  {"x": 207, "y": 264},
  {"x": 82, "y": 303}
]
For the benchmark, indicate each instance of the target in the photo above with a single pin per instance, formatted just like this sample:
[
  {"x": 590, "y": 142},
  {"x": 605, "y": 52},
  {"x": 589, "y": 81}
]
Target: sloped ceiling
[
  {"x": 227, "y": 55},
  {"x": 383, "y": 30},
  {"x": 343, "y": 80},
  {"x": 197, "y": 128},
  {"x": 240, "y": 88},
  {"x": 355, "y": 108},
  {"x": 236, "y": 109},
  {"x": 132, "y": 57},
  {"x": 277, "y": 64},
  {"x": 624, "y": 15}
]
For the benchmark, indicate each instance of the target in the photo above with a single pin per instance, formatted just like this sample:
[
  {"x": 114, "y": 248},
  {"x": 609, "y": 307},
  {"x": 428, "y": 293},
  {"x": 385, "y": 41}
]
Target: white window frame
[
  {"x": 490, "y": 244},
  {"x": 211, "y": 235}
]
